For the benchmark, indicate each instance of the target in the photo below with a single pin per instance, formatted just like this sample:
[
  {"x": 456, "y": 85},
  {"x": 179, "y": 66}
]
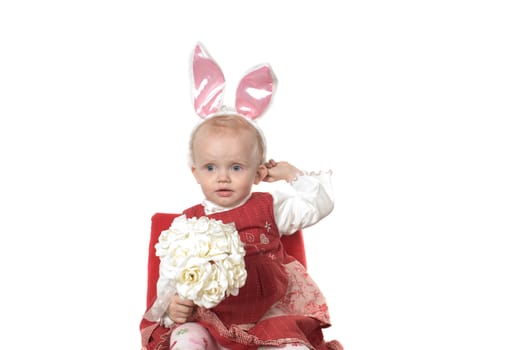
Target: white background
[{"x": 418, "y": 108}]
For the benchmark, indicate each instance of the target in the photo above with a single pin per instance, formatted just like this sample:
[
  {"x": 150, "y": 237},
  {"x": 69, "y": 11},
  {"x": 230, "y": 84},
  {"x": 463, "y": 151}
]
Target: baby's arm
[{"x": 307, "y": 200}]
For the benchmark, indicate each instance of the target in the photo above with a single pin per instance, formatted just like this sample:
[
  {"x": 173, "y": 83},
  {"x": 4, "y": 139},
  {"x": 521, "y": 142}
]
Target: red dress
[{"x": 279, "y": 303}]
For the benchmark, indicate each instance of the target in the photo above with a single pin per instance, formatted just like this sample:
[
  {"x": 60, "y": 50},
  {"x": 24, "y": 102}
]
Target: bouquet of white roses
[{"x": 201, "y": 259}]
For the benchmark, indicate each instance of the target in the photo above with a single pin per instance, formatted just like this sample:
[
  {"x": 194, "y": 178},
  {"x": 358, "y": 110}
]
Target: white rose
[
  {"x": 235, "y": 274},
  {"x": 200, "y": 225},
  {"x": 190, "y": 280},
  {"x": 178, "y": 232},
  {"x": 220, "y": 242},
  {"x": 214, "y": 288}
]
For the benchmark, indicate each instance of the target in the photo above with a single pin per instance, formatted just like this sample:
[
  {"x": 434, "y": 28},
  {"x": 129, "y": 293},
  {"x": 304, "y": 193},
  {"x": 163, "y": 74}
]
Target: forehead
[
  {"x": 227, "y": 132},
  {"x": 225, "y": 140},
  {"x": 226, "y": 127},
  {"x": 221, "y": 149}
]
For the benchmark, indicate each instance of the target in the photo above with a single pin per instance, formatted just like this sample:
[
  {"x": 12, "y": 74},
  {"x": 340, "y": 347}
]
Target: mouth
[{"x": 224, "y": 192}]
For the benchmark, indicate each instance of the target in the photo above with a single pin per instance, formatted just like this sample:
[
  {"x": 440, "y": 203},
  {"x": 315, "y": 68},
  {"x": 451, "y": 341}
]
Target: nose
[{"x": 223, "y": 176}]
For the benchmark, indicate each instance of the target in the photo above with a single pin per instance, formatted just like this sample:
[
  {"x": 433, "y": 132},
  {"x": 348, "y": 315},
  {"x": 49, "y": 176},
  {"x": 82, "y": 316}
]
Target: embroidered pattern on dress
[
  {"x": 249, "y": 237},
  {"x": 264, "y": 239}
]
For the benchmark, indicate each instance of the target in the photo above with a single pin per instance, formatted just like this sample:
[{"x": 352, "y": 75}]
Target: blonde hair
[{"x": 231, "y": 122}]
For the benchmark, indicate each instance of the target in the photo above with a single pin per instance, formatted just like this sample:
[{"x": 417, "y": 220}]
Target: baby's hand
[
  {"x": 270, "y": 163},
  {"x": 277, "y": 171},
  {"x": 179, "y": 310}
]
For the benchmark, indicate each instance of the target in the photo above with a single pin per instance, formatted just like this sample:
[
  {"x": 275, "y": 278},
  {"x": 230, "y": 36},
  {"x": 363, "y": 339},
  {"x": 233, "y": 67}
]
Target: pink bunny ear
[
  {"x": 209, "y": 83},
  {"x": 255, "y": 91}
]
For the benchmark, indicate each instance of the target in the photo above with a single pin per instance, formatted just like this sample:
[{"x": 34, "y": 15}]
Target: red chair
[{"x": 293, "y": 245}]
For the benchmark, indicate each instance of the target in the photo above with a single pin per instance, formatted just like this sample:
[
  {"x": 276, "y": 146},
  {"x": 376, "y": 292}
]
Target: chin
[{"x": 227, "y": 202}]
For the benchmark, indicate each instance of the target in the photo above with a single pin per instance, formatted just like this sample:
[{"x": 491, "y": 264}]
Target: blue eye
[
  {"x": 210, "y": 167},
  {"x": 236, "y": 167}
]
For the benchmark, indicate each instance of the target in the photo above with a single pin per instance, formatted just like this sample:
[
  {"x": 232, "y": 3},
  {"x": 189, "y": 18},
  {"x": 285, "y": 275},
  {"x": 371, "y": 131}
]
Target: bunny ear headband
[{"x": 253, "y": 94}]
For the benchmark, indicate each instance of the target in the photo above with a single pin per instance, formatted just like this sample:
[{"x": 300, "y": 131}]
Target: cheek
[
  {"x": 201, "y": 177},
  {"x": 251, "y": 180}
]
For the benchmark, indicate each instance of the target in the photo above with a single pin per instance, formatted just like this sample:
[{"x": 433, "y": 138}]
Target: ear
[
  {"x": 193, "y": 169},
  {"x": 255, "y": 91},
  {"x": 208, "y": 83},
  {"x": 261, "y": 173}
]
